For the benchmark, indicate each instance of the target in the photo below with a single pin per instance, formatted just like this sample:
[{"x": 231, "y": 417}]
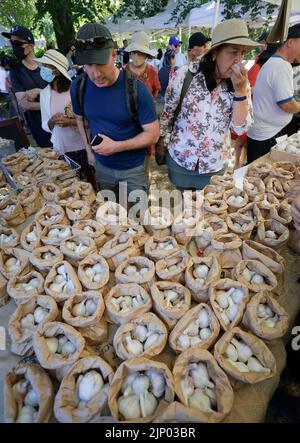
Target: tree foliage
[{"x": 17, "y": 12}]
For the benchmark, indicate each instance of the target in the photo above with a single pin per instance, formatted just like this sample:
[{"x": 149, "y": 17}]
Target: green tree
[{"x": 17, "y": 12}]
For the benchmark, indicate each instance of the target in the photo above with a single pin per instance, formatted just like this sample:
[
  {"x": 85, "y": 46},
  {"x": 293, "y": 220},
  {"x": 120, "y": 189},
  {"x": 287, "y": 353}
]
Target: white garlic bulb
[
  {"x": 134, "y": 347},
  {"x": 270, "y": 234},
  {"x": 201, "y": 271},
  {"x": 79, "y": 309},
  {"x": 184, "y": 341},
  {"x": 27, "y": 322},
  {"x": 88, "y": 385},
  {"x": 231, "y": 352},
  {"x": 140, "y": 333},
  {"x": 257, "y": 279},
  {"x": 205, "y": 333},
  {"x": 151, "y": 340},
  {"x": 31, "y": 398},
  {"x": 68, "y": 348},
  {"x": 246, "y": 274},
  {"x": 158, "y": 382},
  {"x": 221, "y": 299},
  {"x": 254, "y": 365},
  {"x": 148, "y": 404},
  {"x": 129, "y": 407},
  {"x": 198, "y": 400},
  {"x": 40, "y": 314},
  {"x": 52, "y": 344},
  {"x": 27, "y": 414},
  {"x": 91, "y": 307},
  {"x": 203, "y": 319},
  {"x": 130, "y": 271}
]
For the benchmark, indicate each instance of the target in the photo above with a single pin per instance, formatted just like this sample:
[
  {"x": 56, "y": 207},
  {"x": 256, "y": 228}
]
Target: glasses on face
[
  {"x": 19, "y": 43},
  {"x": 96, "y": 42}
]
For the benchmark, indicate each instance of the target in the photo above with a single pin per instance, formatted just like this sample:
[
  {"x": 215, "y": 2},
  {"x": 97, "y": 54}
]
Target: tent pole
[{"x": 216, "y": 17}]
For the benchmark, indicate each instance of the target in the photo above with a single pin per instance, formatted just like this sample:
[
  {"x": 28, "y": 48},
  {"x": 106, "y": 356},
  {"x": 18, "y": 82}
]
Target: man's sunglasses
[{"x": 96, "y": 42}]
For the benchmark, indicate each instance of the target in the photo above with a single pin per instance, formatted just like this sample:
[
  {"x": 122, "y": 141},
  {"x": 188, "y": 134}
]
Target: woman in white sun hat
[{"x": 56, "y": 110}]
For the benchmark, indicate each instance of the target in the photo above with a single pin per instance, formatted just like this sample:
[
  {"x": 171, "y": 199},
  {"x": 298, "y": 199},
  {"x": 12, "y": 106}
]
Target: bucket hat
[
  {"x": 56, "y": 59},
  {"x": 141, "y": 42}
]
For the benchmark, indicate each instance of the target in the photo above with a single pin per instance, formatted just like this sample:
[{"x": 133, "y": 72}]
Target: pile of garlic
[
  {"x": 88, "y": 385},
  {"x": 197, "y": 332},
  {"x": 253, "y": 277},
  {"x": 59, "y": 233},
  {"x": 228, "y": 303},
  {"x": 51, "y": 218},
  {"x": 4, "y": 239},
  {"x": 126, "y": 303},
  {"x": 27, "y": 400},
  {"x": 62, "y": 282},
  {"x": 30, "y": 321},
  {"x": 173, "y": 298},
  {"x": 32, "y": 284},
  {"x": 78, "y": 248},
  {"x": 32, "y": 236},
  {"x": 12, "y": 265},
  {"x": 164, "y": 246},
  {"x": 8, "y": 210},
  {"x": 198, "y": 389},
  {"x": 201, "y": 273},
  {"x": 85, "y": 308},
  {"x": 140, "y": 339},
  {"x": 125, "y": 236},
  {"x": 268, "y": 317},
  {"x": 95, "y": 272},
  {"x": 60, "y": 345},
  {"x": 240, "y": 355},
  {"x": 271, "y": 234},
  {"x": 141, "y": 393},
  {"x": 134, "y": 271}
]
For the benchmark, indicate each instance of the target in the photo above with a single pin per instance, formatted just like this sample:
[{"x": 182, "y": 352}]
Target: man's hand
[
  {"x": 239, "y": 79},
  {"x": 64, "y": 121},
  {"x": 107, "y": 146},
  {"x": 32, "y": 94}
]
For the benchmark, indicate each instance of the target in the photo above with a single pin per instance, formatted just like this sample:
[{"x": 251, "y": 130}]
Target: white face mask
[{"x": 137, "y": 59}]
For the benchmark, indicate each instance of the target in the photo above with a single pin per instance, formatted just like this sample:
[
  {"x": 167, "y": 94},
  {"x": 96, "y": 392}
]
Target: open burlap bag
[
  {"x": 199, "y": 286},
  {"x": 112, "y": 216},
  {"x": 234, "y": 206},
  {"x": 20, "y": 288},
  {"x": 272, "y": 226},
  {"x": 214, "y": 192},
  {"x": 30, "y": 200},
  {"x": 259, "y": 349},
  {"x": 267, "y": 201},
  {"x": 214, "y": 207},
  {"x": 270, "y": 280},
  {"x": 168, "y": 310},
  {"x": 61, "y": 294},
  {"x": 136, "y": 231},
  {"x": 283, "y": 174},
  {"x": 36, "y": 379},
  {"x": 76, "y": 248},
  {"x": 54, "y": 235},
  {"x": 184, "y": 226},
  {"x": 240, "y": 224},
  {"x": 274, "y": 186},
  {"x": 224, "y": 392},
  {"x": 261, "y": 170},
  {"x": 256, "y": 325},
  {"x": 132, "y": 290},
  {"x": 81, "y": 321},
  {"x": 86, "y": 192},
  {"x": 22, "y": 337},
  {"x": 119, "y": 249},
  {"x": 283, "y": 214},
  {"x": 185, "y": 322},
  {"x": 87, "y": 277},
  {"x": 157, "y": 248},
  {"x": 227, "y": 249},
  {"x": 54, "y": 168},
  {"x": 226, "y": 180},
  {"x": 3, "y": 291},
  {"x": 252, "y": 211},
  {"x": 66, "y": 182},
  {"x": 51, "y": 215},
  {"x": 226, "y": 284},
  {"x": 254, "y": 186},
  {"x": 92, "y": 229},
  {"x": 49, "y": 153},
  {"x": 9, "y": 237},
  {"x": 16, "y": 254},
  {"x": 44, "y": 258},
  {"x": 154, "y": 326},
  {"x": 139, "y": 365},
  {"x": 49, "y": 191},
  {"x": 144, "y": 278},
  {"x": 67, "y": 406},
  {"x": 31, "y": 236},
  {"x": 78, "y": 210},
  {"x": 218, "y": 225},
  {"x": 203, "y": 237},
  {"x": 15, "y": 162},
  {"x": 49, "y": 360},
  {"x": 12, "y": 211},
  {"x": 252, "y": 250},
  {"x": 172, "y": 268},
  {"x": 158, "y": 221}
]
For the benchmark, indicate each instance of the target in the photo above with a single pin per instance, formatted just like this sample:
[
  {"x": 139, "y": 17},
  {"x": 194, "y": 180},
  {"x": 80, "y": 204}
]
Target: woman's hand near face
[{"x": 239, "y": 78}]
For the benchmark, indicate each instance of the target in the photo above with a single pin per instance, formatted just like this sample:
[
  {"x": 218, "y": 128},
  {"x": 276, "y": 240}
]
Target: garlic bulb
[
  {"x": 134, "y": 347},
  {"x": 79, "y": 310},
  {"x": 68, "y": 348},
  {"x": 129, "y": 407},
  {"x": 222, "y": 300},
  {"x": 232, "y": 310},
  {"x": 244, "y": 351},
  {"x": 237, "y": 295},
  {"x": 199, "y": 374},
  {"x": 194, "y": 341},
  {"x": 257, "y": 279},
  {"x": 148, "y": 404},
  {"x": 201, "y": 271},
  {"x": 255, "y": 366},
  {"x": 88, "y": 385},
  {"x": 198, "y": 400},
  {"x": 240, "y": 366},
  {"x": 261, "y": 311},
  {"x": 187, "y": 387},
  {"x": 203, "y": 319},
  {"x": 52, "y": 344},
  {"x": 270, "y": 234},
  {"x": 158, "y": 382},
  {"x": 27, "y": 414},
  {"x": 192, "y": 329},
  {"x": 140, "y": 384},
  {"x": 231, "y": 352},
  {"x": 270, "y": 322},
  {"x": 130, "y": 271},
  {"x": 140, "y": 333},
  {"x": 27, "y": 322},
  {"x": 205, "y": 333},
  {"x": 31, "y": 398},
  {"x": 225, "y": 318},
  {"x": 151, "y": 340},
  {"x": 246, "y": 274},
  {"x": 91, "y": 307},
  {"x": 31, "y": 237},
  {"x": 184, "y": 341},
  {"x": 40, "y": 314}
]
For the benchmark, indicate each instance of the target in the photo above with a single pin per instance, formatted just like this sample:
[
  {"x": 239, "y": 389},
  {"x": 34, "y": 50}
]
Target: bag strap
[
  {"x": 131, "y": 95},
  {"x": 80, "y": 89},
  {"x": 186, "y": 84}
]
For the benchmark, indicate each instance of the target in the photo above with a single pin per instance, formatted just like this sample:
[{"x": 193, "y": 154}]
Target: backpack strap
[
  {"x": 131, "y": 94},
  {"x": 186, "y": 84}
]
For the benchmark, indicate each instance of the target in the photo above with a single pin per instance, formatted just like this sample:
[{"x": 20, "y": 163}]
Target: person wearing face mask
[
  {"x": 198, "y": 45},
  {"x": 217, "y": 98},
  {"x": 27, "y": 82}
]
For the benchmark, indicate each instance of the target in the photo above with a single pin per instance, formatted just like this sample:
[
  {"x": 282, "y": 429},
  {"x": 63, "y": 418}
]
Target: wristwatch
[{"x": 239, "y": 98}]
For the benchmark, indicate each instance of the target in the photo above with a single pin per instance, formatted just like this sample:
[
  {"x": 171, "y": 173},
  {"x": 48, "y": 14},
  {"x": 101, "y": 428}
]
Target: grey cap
[{"x": 93, "y": 44}]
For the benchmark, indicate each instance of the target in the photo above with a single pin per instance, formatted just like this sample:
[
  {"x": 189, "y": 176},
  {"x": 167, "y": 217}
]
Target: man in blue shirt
[{"x": 121, "y": 154}]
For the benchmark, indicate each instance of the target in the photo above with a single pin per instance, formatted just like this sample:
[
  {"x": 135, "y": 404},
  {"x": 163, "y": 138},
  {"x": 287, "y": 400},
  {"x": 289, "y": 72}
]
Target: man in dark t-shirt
[{"x": 27, "y": 81}]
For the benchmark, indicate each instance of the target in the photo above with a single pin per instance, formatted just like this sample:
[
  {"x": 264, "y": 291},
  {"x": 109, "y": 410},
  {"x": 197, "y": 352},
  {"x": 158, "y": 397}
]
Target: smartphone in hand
[{"x": 96, "y": 140}]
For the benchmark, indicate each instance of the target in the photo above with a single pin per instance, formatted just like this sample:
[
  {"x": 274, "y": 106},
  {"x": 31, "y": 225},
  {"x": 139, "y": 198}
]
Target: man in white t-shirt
[
  {"x": 175, "y": 44},
  {"x": 273, "y": 98}
]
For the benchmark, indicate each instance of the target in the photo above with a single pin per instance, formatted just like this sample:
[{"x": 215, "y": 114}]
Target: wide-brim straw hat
[
  {"x": 141, "y": 42},
  {"x": 232, "y": 32},
  {"x": 56, "y": 59}
]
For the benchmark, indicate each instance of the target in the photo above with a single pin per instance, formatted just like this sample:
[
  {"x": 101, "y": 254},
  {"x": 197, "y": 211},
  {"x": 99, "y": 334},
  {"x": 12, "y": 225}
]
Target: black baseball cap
[
  {"x": 21, "y": 32},
  {"x": 294, "y": 31},
  {"x": 198, "y": 39},
  {"x": 93, "y": 44}
]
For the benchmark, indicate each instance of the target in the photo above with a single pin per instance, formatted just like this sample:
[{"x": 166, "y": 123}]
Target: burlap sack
[
  {"x": 294, "y": 241},
  {"x": 186, "y": 321},
  {"x": 74, "y": 257},
  {"x": 261, "y": 170},
  {"x": 66, "y": 182},
  {"x": 78, "y": 210},
  {"x": 54, "y": 235},
  {"x": 31, "y": 236},
  {"x": 214, "y": 207},
  {"x": 227, "y": 249},
  {"x": 199, "y": 286},
  {"x": 79, "y": 321},
  {"x": 17, "y": 254},
  {"x": 30, "y": 200},
  {"x": 86, "y": 192},
  {"x": 49, "y": 191},
  {"x": 92, "y": 229},
  {"x": 144, "y": 279},
  {"x": 11, "y": 210},
  {"x": 184, "y": 226},
  {"x": 22, "y": 337},
  {"x": 240, "y": 224},
  {"x": 270, "y": 280},
  {"x": 54, "y": 329},
  {"x": 54, "y": 168},
  {"x": 44, "y": 258},
  {"x": 224, "y": 392},
  {"x": 214, "y": 192},
  {"x": 170, "y": 313},
  {"x": 281, "y": 173},
  {"x": 283, "y": 214},
  {"x": 203, "y": 237},
  {"x": 15, "y": 162},
  {"x": 131, "y": 367},
  {"x": 51, "y": 215},
  {"x": 22, "y": 294},
  {"x": 259, "y": 349},
  {"x": 235, "y": 192},
  {"x": 224, "y": 285},
  {"x": 96, "y": 333},
  {"x": 253, "y": 186},
  {"x": 154, "y": 325},
  {"x": 266, "y": 201},
  {"x": 62, "y": 294},
  {"x": 89, "y": 262},
  {"x": 39, "y": 381},
  {"x": 218, "y": 225},
  {"x": 274, "y": 186},
  {"x": 3, "y": 291},
  {"x": 256, "y": 325},
  {"x": 172, "y": 268},
  {"x": 155, "y": 247},
  {"x": 23, "y": 179},
  {"x": 9, "y": 237},
  {"x": 67, "y": 406},
  {"x": 252, "y": 211},
  {"x": 118, "y": 249},
  {"x": 281, "y": 232},
  {"x": 226, "y": 180},
  {"x": 252, "y": 250},
  {"x": 132, "y": 290},
  {"x": 137, "y": 232},
  {"x": 158, "y": 221},
  {"x": 112, "y": 216}
]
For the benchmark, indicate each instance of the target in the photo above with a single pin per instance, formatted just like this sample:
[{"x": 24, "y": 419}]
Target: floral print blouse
[{"x": 201, "y": 132}]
